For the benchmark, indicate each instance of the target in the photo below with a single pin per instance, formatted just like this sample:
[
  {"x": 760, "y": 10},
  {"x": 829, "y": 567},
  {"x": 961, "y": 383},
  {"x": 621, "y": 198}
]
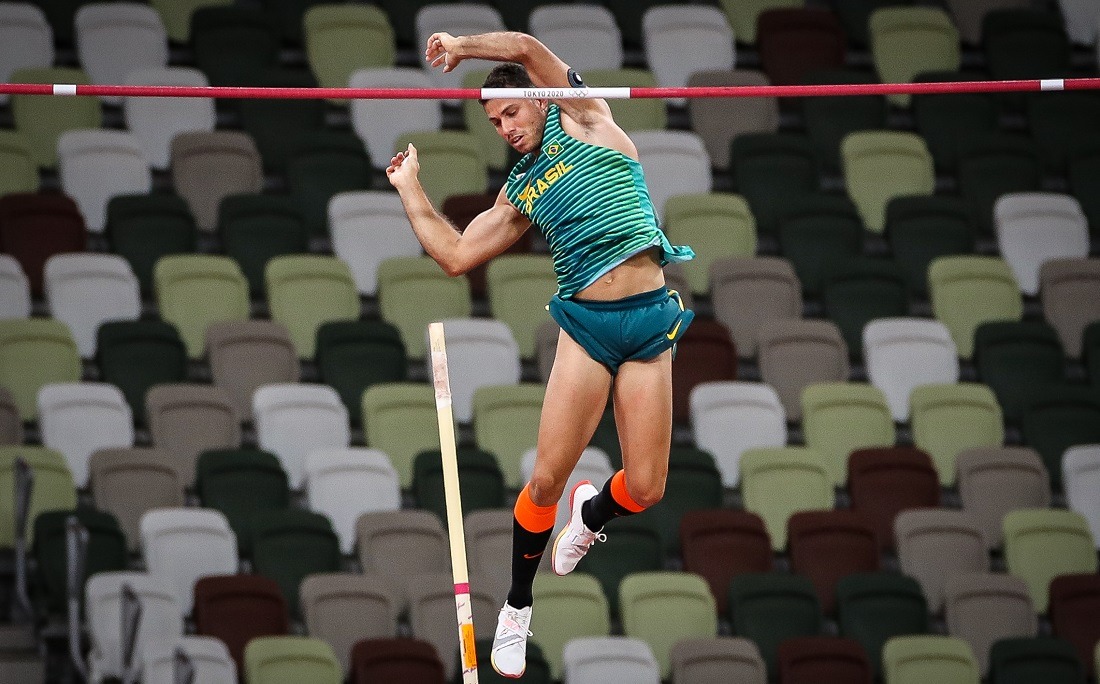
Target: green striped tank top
[{"x": 590, "y": 202}]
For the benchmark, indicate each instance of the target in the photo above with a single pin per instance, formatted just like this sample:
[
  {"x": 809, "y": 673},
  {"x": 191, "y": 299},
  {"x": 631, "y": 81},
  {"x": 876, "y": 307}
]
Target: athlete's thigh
[
  {"x": 643, "y": 419},
  {"x": 576, "y": 395}
]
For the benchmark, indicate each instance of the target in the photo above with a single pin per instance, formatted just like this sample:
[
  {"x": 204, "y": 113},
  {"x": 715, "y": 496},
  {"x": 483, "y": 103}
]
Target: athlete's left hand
[
  {"x": 404, "y": 166},
  {"x": 443, "y": 48}
]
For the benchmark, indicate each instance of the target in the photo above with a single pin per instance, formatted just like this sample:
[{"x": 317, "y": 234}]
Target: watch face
[{"x": 575, "y": 79}]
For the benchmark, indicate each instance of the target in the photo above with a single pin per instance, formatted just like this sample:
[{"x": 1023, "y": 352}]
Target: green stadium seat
[
  {"x": 234, "y": 46},
  {"x": 196, "y": 290},
  {"x": 993, "y": 165},
  {"x": 289, "y": 545},
  {"x": 241, "y": 483},
  {"x": 769, "y": 170},
  {"x": 918, "y": 659},
  {"x": 451, "y": 163},
  {"x": 862, "y": 290},
  {"x": 881, "y": 165},
  {"x": 907, "y": 41},
  {"x": 945, "y": 121},
  {"x": 770, "y": 608},
  {"x": 306, "y": 291},
  {"x": 18, "y": 169},
  {"x": 778, "y": 482},
  {"x": 35, "y": 352},
  {"x": 144, "y": 228},
  {"x": 716, "y": 225},
  {"x": 176, "y": 15},
  {"x": 135, "y": 355},
  {"x": 354, "y": 355},
  {"x": 255, "y": 228},
  {"x": 872, "y": 608},
  {"x": 631, "y": 115},
  {"x": 339, "y": 39},
  {"x": 400, "y": 419},
  {"x": 662, "y": 608},
  {"x": 1056, "y": 418},
  {"x": 829, "y": 119},
  {"x": 967, "y": 291},
  {"x": 290, "y": 659},
  {"x": 632, "y": 546},
  {"x": 53, "y": 489},
  {"x": 479, "y": 477},
  {"x": 321, "y": 166},
  {"x": 1025, "y": 660},
  {"x": 948, "y": 419},
  {"x": 106, "y": 553},
  {"x": 1013, "y": 359},
  {"x": 506, "y": 424},
  {"x": 518, "y": 286},
  {"x": 1041, "y": 544},
  {"x": 840, "y": 417},
  {"x": 919, "y": 229},
  {"x": 413, "y": 292},
  {"x": 570, "y": 607},
  {"x": 43, "y": 119},
  {"x": 818, "y": 233}
]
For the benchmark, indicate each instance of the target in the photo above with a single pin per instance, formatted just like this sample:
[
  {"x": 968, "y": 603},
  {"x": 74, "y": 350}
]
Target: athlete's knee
[
  {"x": 645, "y": 491},
  {"x": 544, "y": 489}
]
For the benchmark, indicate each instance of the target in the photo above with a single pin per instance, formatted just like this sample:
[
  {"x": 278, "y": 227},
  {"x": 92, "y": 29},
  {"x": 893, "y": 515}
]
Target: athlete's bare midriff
[{"x": 640, "y": 273}]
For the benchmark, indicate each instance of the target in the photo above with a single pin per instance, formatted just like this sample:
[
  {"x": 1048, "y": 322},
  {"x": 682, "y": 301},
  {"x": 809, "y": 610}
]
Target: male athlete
[{"x": 580, "y": 182}]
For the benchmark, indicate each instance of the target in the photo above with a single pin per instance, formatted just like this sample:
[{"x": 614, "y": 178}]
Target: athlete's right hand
[
  {"x": 442, "y": 48},
  {"x": 404, "y": 166}
]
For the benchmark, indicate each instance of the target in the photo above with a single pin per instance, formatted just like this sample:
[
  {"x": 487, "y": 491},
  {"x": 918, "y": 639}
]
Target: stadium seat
[
  {"x": 862, "y": 290},
  {"x": 912, "y": 659},
  {"x": 950, "y": 418},
  {"x": 919, "y": 229},
  {"x": 33, "y": 353},
  {"x": 1080, "y": 467},
  {"x": 693, "y": 483},
  {"x": 993, "y": 165},
  {"x": 779, "y": 482},
  {"x": 771, "y": 608},
  {"x": 236, "y": 609},
  {"x": 401, "y": 544},
  {"x": 768, "y": 170},
  {"x": 340, "y": 40},
  {"x": 749, "y": 293},
  {"x": 840, "y": 417},
  {"x": 29, "y": 38},
  {"x": 634, "y": 546},
  {"x": 277, "y": 659},
  {"x": 1034, "y": 228},
  {"x": 234, "y": 45},
  {"x": 829, "y": 119},
  {"x": 306, "y": 291},
  {"x": 717, "y": 225},
  {"x": 1083, "y": 175},
  {"x": 675, "y": 163},
  {"x": 379, "y": 123},
  {"x": 100, "y": 30},
  {"x": 53, "y": 490},
  {"x": 985, "y": 608},
  {"x": 344, "y": 608},
  {"x": 705, "y": 354},
  {"x": 245, "y": 355},
  {"x": 719, "y": 120},
  {"x": 253, "y": 229},
  {"x": 795, "y": 41},
  {"x": 1073, "y": 613},
  {"x": 819, "y": 234},
  {"x": 881, "y": 165},
  {"x": 466, "y": 19},
  {"x": 160, "y": 619},
  {"x": 968, "y": 15},
  {"x": 1056, "y": 418},
  {"x": 135, "y": 355},
  {"x": 413, "y": 292},
  {"x": 95, "y": 165},
  {"x": 720, "y": 544},
  {"x": 321, "y": 166},
  {"x": 183, "y": 545},
  {"x": 156, "y": 121},
  {"x": 368, "y": 227},
  {"x": 884, "y": 482},
  {"x": 947, "y": 121},
  {"x": 452, "y": 163},
  {"x": 240, "y": 483},
  {"x": 293, "y": 420},
  {"x": 195, "y": 290},
  {"x": 586, "y": 34},
  {"x": 1010, "y": 34},
  {"x": 84, "y": 290},
  {"x": 662, "y": 608},
  {"x": 995, "y": 480},
  {"x": 966, "y": 291},
  {"x": 666, "y": 29},
  {"x": 208, "y": 656},
  {"x": 400, "y": 420},
  {"x": 702, "y": 660},
  {"x": 431, "y": 604},
  {"x": 1069, "y": 291},
  {"x": 1014, "y": 359},
  {"x": 637, "y": 114},
  {"x": 873, "y": 608},
  {"x": 128, "y": 482},
  {"x": 34, "y": 227},
  {"x": 480, "y": 353},
  {"x": 79, "y": 418},
  {"x": 593, "y": 659},
  {"x": 570, "y": 607},
  {"x": 290, "y": 545},
  {"x": 855, "y": 17},
  {"x": 907, "y": 41},
  {"x": 20, "y": 172},
  {"x": 828, "y": 545},
  {"x": 517, "y": 284},
  {"x": 44, "y": 119},
  {"x": 797, "y": 353},
  {"x": 208, "y": 166},
  {"x": 730, "y": 418},
  {"x": 1016, "y": 661},
  {"x": 400, "y": 659},
  {"x": 144, "y": 228},
  {"x": 174, "y": 410},
  {"x": 506, "y": 424},
  {"x": 936, "y": 546},
  {"x": 344, "y": 483},
  {"x": 1041, "y": 544},
  {"x": 823, "y": 660},
  {"x": 901, "y": 354},
  {"x": 1060, "y": 125},
  {"x": 488, "y": 539},
  {"x": 176, "y": 15},
  {"x": 280, "y": 127},
  {"x": 353, "y": 355}
]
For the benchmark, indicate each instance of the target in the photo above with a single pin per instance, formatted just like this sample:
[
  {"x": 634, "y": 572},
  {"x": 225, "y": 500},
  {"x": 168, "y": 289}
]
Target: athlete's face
[{"x": 520, "y": 122}]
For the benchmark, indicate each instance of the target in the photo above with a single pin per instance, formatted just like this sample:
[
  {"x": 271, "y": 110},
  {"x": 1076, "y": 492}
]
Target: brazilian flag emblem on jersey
[{"x": 553, "y": 149}]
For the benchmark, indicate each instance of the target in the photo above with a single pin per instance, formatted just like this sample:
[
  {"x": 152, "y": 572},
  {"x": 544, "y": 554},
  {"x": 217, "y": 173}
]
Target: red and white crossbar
[{"x": 615, "y": 93}]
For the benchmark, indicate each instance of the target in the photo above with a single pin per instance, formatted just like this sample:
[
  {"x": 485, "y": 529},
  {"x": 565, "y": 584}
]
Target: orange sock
[{"x": 532, "y": 517}]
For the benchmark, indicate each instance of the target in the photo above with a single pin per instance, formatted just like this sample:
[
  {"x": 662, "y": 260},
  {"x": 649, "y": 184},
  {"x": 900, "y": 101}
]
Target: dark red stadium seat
[
  {"x": 34, "y": 227},
  {"x": 410, "y": 661},
  {"x": 794, "y": 42},
  {"x": 238, "y": 608},
  {"x": 705, "y": 353},
  {"x": 1075, "y": 614},
  {"x": 828, "y": 545},
  {"x": 823, "y": 660},
  {"x": 461, "y": 209},
  {"x": 884, "y": 481},
  {"x": 720, "y": 544}
]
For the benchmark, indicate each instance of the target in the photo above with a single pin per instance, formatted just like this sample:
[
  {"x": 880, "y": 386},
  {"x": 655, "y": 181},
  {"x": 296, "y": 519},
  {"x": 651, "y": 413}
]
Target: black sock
[
  {"x": 600, "y": 509},
  {"x": 527, "y": 550}
]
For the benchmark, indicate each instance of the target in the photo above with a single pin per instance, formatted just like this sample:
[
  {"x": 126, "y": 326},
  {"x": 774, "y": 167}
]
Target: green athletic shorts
[{"x": 636, "y": 328}]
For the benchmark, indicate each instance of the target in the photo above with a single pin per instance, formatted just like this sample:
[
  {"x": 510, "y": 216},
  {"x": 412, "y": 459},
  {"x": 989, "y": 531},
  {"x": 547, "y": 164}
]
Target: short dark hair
[{"x": 508, "y": 75}]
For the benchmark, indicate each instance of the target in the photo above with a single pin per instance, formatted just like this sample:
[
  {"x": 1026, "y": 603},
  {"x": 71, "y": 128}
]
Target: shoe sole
[
  {"x": 554, "y": 551},
  {"x": 493, "y": 662}
]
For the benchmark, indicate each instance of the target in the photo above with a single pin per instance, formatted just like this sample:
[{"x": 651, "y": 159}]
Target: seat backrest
[
  {"x": 1041, "y": 544},
  {"x": 395, "y": 660},
  {"x": 196, "y": 290},
  {"x": 709, "y": 659},
  {"x": 1081, "y": 482},
  {"x": 663, "y": 608},
  {"x": 183, "y": 545},
  {"x": 794, "y": 354},
  {"x": 665, "y": 30},
  {"x": 995, "y": 480},
  {"x": 1036, "y": 227},
  {"x": 1073, "y": 613},
  {"x": 129, "y": 482},
  {"x": 367, "y": 227},
  {"x": 1069, "y": 289},
  {"x": 828, "y": 545},
  {"x": 717, "y": 225},
  {"x": 431, "y": 602},
  {"x": 399, "y": 544},
  {"x": 43, "y": 119},
  {"x": 34, "y": 227},
  {"x": 208, "y": 656},
  {"x": 400, "y": 419},
  {"x": 15, "y": 290},
  {"x": 967, "y": 291},
  {"x": 78, "y": 419},
  {"x": 344, "y": 483},
  {"x": 873, "y": 608},
  {"x": 912, "y": 659},
  {"x": 591, "y": 659},
  {"x": 935, "y": 546},
  {"x": 459, "y": 153},
  {"x": 1006, "y": 33},
  {"x": 705, "y": 354},
  {"x": 343, "y": 608},
  {"x": 234, "y": 45},
  {"x": 1057, "y": 417},
  {"x": 1016, "y": 358},
  {"x": 53, "y": 488},
  {"x": 95, "y": 165},
  {"x": 296, "y": 285},
  {"x": 795, "y": 41},
  {"x": 404, "y": 116},
  {"x": 885, "y": 481},
  {"x": 823, "y": 660},
  {"x": 208, "y": 166},
  {"x": 675, "y": 163},
  {"x": 34, "y": 353},
  {"x": 238, "y": 608},
  {"x": 100, "y": 29},
  {"x": 161, "y": 617},
  {"x": 175, "y": 413},
  {"x": 143, "y": 228},
  {"x": 84, "y": 290},
  {"x": 570, "y": 607},
  {"x": 480, "y": 352},
  {"x": 157, "y": 121},
  {"x": 984, "y": 608},
  {"x": 291, "y": 544},
  {"x": 748, "y": 293},
  {"x": 273, "y": 659},
  {"x": 772, "y": 608},
  {"x": 513, "y": 281},
  {"x": 868, "y": 155},
  {"x": 1017, "y": 661},
  {"x": 240, "y": 482},
  {"x": 950, "y": 418},
  {"x": 840, "y": 417},
  {"x": 245, "y": 355},
  {"x": 506, "y": 424},
  {"x": 778, "y": 482},
  {"x": 968, "y": 15},
  {"x": 413, "y": 292},
  {"x": 740, "y": 116},
  {"x": 729, "y": 418},
  {"x": 294, "y": 419},
  {"x": 463, "y": 19},
  {"x": 587, "y": 33},
  {"x": 907, "y": 41},
  {"x": 720, "y": 544},
  {"x": 136, "y": 355},
  {"x": 24, "y": 28},
  {"x": 902, "y": 353},
  {"x": 340, "y": 40}
]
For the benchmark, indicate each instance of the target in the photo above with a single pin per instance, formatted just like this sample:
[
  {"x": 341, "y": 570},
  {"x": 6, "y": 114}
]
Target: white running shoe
[
  {"x": 575, "y": 539},
  {"x": 509, "y": 654}
]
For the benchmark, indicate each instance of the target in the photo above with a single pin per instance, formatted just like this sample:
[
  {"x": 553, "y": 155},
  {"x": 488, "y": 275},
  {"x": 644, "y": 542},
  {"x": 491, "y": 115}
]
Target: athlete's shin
[{"x": 531, "y": 530}]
